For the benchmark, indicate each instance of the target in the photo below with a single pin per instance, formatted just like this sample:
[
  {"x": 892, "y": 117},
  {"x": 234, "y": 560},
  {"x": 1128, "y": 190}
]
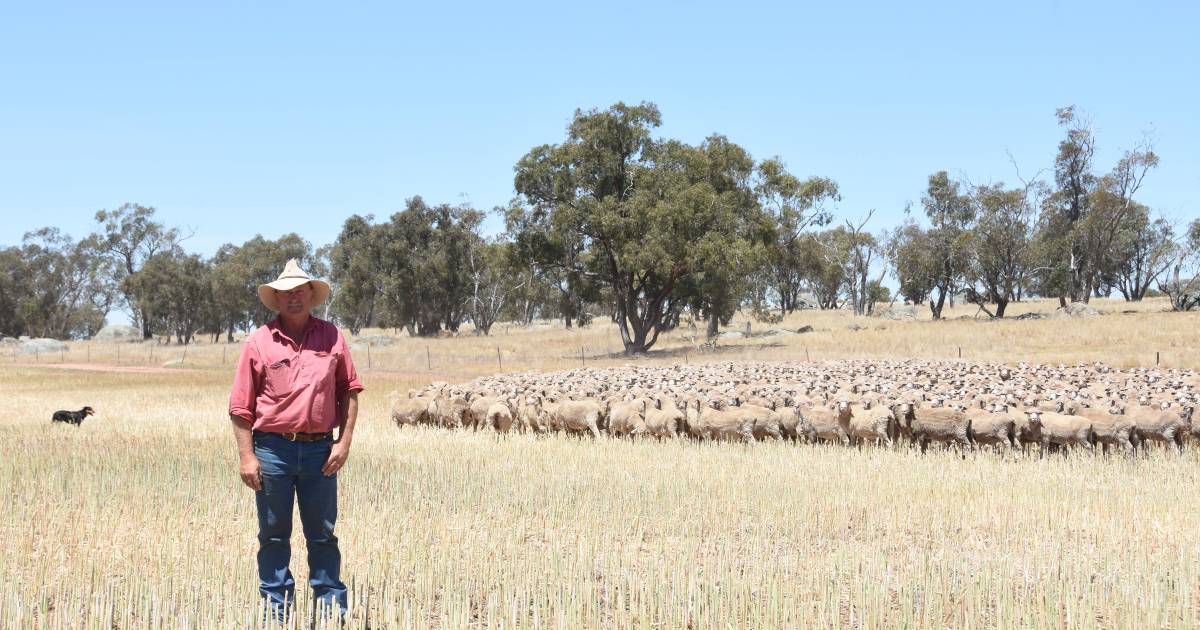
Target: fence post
[
  {"x": 1156, "y": 357},
  {"x": 428, "y": 359},
  {"x": 368, "y": 355},
  {"x": 499, "y": 362},
  {"x": 806, "y": 357},
  {"x": 960, "y": 352},
  {"x": 582, "y": 359},
  {"x": 184, "y": 357},
  {"x": 223, "y": 355},
  {"x": 89, "y": 352}
]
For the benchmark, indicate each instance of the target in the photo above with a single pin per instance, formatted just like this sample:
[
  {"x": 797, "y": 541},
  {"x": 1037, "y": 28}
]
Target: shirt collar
[{"x": 276, "y": 328}]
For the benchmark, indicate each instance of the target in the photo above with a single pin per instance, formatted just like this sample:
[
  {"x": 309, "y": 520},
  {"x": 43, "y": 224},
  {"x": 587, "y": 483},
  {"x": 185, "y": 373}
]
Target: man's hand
[
  {"x": 337, "y": 458},
  {"x": 251, "y": 473}
]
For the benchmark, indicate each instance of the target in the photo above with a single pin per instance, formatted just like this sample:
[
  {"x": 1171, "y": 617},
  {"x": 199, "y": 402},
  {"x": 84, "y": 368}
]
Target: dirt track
[{"x": 92, "y": 367}]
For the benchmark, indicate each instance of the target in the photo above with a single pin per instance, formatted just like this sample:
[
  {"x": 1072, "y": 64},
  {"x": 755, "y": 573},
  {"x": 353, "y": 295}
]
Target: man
[{"x": 294, "y": 383}]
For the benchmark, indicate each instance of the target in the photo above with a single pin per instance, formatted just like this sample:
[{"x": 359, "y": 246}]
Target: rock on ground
[
  {"x": 41, "y": 346},
  {"x": 898, "y": 312},
  {"x": 117, "y": 332},
  {"x": 1075, "y": 309}
]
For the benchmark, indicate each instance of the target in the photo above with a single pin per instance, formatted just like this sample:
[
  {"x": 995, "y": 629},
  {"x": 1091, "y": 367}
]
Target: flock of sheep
[{"x": 848, "y": 402}]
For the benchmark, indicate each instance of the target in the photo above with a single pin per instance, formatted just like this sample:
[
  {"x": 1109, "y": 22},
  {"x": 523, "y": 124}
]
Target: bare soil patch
[{"x": 96, "y": 367}]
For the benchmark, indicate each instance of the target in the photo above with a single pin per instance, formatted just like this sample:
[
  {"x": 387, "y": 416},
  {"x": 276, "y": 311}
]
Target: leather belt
[{"x": 302, "y": 437}]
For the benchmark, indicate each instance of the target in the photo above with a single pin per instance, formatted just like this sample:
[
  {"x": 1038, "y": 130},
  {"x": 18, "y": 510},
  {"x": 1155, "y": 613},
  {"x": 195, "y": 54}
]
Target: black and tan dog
[{"x": 72, "y": 417}]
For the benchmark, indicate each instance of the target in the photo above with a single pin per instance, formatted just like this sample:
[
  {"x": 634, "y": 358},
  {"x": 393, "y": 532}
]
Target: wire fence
[{"x": 432, "y": 359}]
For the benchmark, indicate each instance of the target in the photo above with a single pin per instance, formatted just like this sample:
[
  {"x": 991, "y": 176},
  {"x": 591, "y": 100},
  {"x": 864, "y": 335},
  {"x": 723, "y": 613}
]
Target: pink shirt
[{"x": 283, "y": 386}]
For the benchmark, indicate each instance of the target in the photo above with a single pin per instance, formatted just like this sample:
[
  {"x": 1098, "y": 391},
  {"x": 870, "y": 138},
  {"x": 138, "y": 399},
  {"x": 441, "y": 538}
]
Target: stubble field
[{"x": 137, "y": 519}]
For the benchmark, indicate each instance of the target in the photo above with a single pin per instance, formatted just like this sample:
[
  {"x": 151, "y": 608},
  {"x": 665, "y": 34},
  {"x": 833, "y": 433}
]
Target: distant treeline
[{"x": 613, "y": 222}]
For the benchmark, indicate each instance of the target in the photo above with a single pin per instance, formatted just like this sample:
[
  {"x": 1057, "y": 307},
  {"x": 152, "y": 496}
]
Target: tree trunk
[
  {"x": 714, "y": 324},
  {"x": 1001, "y": 304},
  {"x": 935, "y": 306}
]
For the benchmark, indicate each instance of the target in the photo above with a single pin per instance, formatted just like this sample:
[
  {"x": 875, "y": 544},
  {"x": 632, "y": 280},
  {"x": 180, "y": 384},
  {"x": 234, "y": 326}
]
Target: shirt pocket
[
  {"x": 321, "y": 368},
  {"x": 320, "y": 373},
  {"x": 277, "y": 381}
]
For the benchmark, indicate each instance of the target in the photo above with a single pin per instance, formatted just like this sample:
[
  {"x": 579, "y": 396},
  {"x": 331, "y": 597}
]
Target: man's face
[{"x": 297, "y": 301}]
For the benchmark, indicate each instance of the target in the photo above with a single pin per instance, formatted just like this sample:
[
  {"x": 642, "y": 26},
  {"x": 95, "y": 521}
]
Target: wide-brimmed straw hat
[{"x": 292, "y": 277}]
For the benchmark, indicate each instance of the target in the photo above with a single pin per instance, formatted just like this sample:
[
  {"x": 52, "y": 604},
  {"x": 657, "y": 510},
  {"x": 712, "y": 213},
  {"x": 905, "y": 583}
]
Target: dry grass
[{"x": 137, "y": 518}]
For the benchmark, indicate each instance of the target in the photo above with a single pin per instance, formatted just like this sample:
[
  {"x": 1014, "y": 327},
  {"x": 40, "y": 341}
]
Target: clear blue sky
[{"x": 242, "y": 118}]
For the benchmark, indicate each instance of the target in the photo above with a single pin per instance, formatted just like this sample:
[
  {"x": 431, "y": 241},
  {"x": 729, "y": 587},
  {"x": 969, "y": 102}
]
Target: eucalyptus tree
[
  {"x": 54, "y": 286},
  {"x": 999, "y": 245},
  {"x": 130, "y": 236},
  {"x": 1181, "y": 281},
  {"x": 950, "y": 215},
  {"x": 795, "y": 205},
  {"x": 174, "y": 291},
  {"x": 1141, "y": 252},
  {"x": 647, "y": 213},
  {"x": 1080, "y": 220}
]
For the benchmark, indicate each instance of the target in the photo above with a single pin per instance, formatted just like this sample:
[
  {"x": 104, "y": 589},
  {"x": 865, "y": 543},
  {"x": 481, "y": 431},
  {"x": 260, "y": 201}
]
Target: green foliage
[
  {"x": 1000, "y": 245},
  {"x": 413, "y": 271},
  {"x": 130, "y": 236},
  {"x": 950, "y": 214},
  {"x": 53, "y": 286},
  {"x": 355, "y": 267},
  {"x": 174, "y": 291},
  {"x": 1083, "y": 216},
  {"x": 661, "y": 223},
  {"x": 913, "y": 261},
  {"x": 793, "y": 205},
  {"x": 1181, "y": 282}
]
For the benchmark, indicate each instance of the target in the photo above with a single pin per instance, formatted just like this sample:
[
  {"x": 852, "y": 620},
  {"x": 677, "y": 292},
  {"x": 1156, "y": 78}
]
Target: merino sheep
[
  {"x": 1065, "y": 430},
  {"x": 1109, "y": 427},
  {"x": 628, "y": 418},
  {"x": 577, "y": 416},
  {"x": 413, "y": 410},
  {"x": 827, "y": 424},
  {"x": 718, "y": 424},
  {"x": 941, "y": 424},
  {"x": 663, "y": 419},
  {"x": 1159, "y": 424},
  {"x": 875, "y": 422},
  {"x": 992, "y": 426}
]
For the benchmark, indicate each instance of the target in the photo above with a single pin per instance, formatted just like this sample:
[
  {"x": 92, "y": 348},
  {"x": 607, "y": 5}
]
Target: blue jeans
[{"x": 290, "y": 471}]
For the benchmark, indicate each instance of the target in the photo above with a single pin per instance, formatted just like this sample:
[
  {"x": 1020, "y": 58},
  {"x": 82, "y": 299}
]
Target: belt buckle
[{"x": 293, "y": 435}]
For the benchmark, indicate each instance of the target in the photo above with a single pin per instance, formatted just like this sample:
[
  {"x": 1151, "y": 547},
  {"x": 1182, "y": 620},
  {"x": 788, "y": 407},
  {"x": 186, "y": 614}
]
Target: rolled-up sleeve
[
  {"x": 245, "y": 383},
  {"x": 347, "y": 376}
]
